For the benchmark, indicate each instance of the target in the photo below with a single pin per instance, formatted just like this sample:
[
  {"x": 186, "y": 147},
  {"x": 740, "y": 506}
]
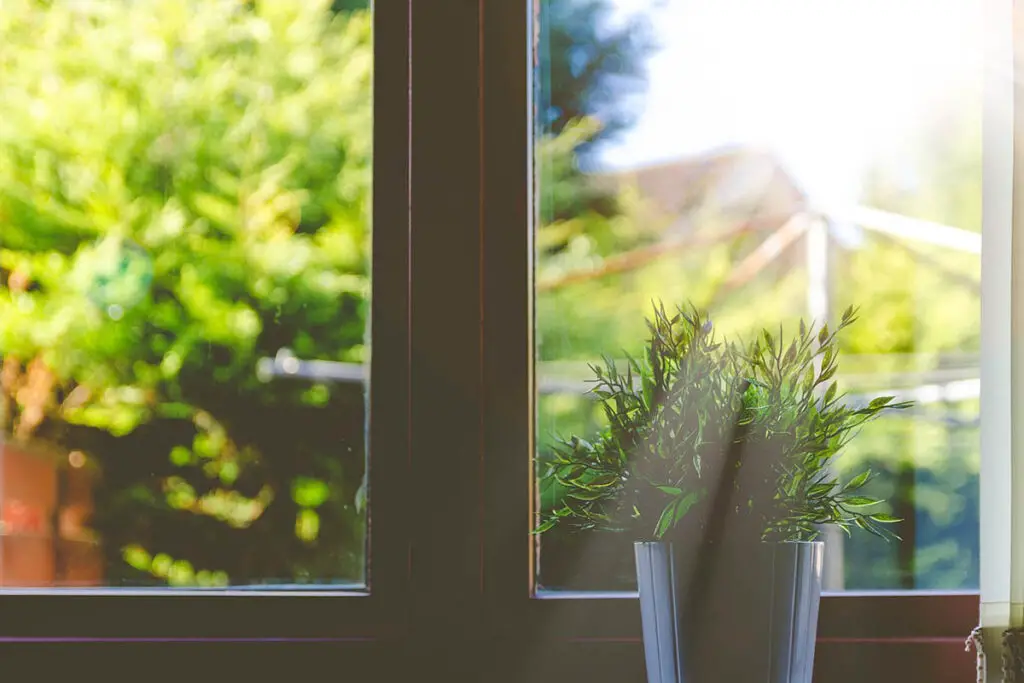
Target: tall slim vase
[{"x": 751, "y": 618}]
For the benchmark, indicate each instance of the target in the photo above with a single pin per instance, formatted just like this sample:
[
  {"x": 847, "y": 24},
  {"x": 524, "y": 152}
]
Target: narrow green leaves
[
  {"x": 677, "y": 409},
  {"x": 674, "y": 512},
  {"x": 859, "y": 501}
]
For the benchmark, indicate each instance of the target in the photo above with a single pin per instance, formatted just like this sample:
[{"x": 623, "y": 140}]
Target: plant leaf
[
  {"x": 885, "y": 518},
  {"x": 546, "y": 526},
  {"x": 665, "y": 521},
  {"x": 683, "y": 505},
  {"x": 830, "y": 393},
  {"x": 880, "y": 402},
  {"x": 858, "y": 481},
  {"x": 586, "y": 495},
  {"x": 602, "y": 481}
]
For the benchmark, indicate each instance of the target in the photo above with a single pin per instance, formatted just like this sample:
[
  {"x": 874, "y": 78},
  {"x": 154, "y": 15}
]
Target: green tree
[
  {"x": 593, "y": 66},
  {"x": 184, "y": 189}
]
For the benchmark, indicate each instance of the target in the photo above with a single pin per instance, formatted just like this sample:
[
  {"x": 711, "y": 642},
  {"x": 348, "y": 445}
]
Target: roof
[{"x": 738, "y": 182}]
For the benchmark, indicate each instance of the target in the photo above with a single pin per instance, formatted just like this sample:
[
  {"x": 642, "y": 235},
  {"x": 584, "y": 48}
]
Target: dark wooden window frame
[{"x": 452, "y": 422}]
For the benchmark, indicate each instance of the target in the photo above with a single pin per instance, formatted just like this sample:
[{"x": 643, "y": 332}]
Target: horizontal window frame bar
[
  {"x": 874, "y": 616},
  {"x": 255, "y": 590},
  {"x": 132, "y": 616}
]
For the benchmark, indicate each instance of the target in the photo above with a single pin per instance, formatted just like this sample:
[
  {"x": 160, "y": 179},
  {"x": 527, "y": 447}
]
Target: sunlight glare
[{"x": 829, "y": 86}]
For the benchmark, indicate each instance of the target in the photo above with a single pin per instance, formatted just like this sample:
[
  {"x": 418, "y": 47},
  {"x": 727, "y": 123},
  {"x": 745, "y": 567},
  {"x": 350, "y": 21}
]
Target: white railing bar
[{"x": 905, "y": 227}]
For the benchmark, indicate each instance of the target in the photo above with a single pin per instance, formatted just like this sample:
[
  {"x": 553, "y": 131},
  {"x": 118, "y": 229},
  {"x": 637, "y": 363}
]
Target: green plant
[{"x": 701, "y": 432}]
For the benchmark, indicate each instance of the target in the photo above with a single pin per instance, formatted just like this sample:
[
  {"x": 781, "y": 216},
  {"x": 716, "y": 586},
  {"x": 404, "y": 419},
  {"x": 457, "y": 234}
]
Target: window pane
[
  {"x": 184, "y": 292},
  {"x": 771, "y": 162}
]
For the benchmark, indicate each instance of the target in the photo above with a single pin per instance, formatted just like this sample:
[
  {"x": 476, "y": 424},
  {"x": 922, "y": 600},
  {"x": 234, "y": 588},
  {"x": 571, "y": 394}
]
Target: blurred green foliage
[
  {"x": 593, "y": 63},
  {"x": 184, "y": 189}
]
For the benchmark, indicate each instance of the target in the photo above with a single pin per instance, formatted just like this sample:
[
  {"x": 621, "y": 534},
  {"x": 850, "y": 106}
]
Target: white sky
[{"x": 827, "y": 84}]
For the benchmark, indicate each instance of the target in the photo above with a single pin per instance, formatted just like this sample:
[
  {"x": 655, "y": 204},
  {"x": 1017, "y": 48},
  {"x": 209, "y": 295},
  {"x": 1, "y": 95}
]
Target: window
[
  {"x": 186, "y": 294},
  {"x": 461, "y": 268},
  {"x": 185, "y": 285},
  {"x": 594, "y": 270},
  {"x": 697, "y": 154}
]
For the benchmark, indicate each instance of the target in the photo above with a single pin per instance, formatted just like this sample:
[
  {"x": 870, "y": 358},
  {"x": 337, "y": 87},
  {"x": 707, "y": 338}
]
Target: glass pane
[
  {"x": 767, "y": 163},
  {"x": 184, "y": 292}
]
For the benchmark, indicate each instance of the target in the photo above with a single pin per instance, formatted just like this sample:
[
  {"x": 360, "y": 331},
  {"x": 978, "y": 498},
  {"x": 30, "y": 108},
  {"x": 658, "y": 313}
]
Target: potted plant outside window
[{"x": 717, "y": 460}]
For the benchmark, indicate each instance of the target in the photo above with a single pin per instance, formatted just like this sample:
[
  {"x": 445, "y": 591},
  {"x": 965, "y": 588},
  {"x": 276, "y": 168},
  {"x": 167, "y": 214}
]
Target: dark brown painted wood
[{"x": 443, "y": 508}]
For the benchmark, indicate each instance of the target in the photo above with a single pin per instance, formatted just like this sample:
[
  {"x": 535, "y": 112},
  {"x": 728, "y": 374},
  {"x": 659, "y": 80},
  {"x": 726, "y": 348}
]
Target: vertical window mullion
[
  {"x": 389, "y": 318},
  {"x": 442, "y": 510}
]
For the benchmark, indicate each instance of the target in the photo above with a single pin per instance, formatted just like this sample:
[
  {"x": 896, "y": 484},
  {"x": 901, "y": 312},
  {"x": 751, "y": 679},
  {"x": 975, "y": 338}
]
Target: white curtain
[{"x": 1002, "y": 365}]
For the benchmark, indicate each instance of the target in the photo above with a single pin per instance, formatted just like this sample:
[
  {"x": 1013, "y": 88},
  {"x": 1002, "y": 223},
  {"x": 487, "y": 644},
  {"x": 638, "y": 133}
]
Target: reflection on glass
[
  {"x": 184, "y": 226},
  {"x": 770, "y": 162}
]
